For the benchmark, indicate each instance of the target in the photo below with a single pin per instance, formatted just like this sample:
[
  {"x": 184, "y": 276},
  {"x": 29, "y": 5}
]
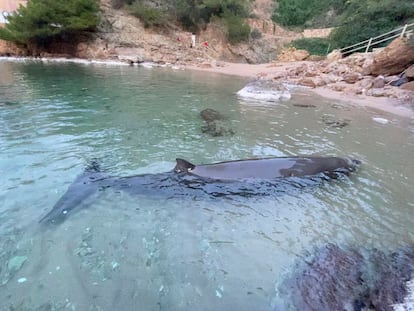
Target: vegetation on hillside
[
  {"x": 362, "y": 20},
  {"x": 354, "y": 20},
  {"x": 315, "y": 46},
  {"x": 192, "y": 15},
  {"x": 150, "y": 16},
  {"x": 301, "y": 13},
  {"x": 42, "y": 21}
]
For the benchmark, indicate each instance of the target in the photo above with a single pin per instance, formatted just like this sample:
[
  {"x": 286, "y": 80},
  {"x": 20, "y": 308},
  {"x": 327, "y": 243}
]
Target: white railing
[{"x": 405, "y": 30}]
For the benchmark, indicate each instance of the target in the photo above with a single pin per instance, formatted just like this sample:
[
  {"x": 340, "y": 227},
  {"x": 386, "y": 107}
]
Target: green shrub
[
  {"x": 298, "y": 12},
  {"x": 255, "y": 34},
  {"x": 41, "y": 21},
  {"x": 117, "y": 4},
  {"x": 151, "y": 17},
  {"x": 371, "y": 18},
  {"x": 291, "y": 13},
  {"x": 193, "y": 15},
  {"x": 315, "y": 46},
  {"x": 237, "y": 29}
]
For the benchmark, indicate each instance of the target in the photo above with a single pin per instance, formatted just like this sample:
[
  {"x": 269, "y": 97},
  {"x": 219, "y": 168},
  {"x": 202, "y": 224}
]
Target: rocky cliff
[{"x": 123, "y": 36}]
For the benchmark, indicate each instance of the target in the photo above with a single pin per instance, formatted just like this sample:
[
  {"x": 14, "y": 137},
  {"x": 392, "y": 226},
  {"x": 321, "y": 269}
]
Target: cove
[{"x": 181, "y": 253}]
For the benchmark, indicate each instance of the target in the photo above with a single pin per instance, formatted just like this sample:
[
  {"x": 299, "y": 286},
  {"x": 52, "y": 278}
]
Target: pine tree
[{"x": 41, "y": 21}]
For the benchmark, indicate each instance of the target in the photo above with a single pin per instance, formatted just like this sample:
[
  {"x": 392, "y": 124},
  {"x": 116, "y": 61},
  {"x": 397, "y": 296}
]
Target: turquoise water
[{"x": 153, "y": 253}]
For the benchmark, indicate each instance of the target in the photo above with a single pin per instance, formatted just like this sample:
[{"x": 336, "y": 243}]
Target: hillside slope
[{"x": 123, "y": 35}]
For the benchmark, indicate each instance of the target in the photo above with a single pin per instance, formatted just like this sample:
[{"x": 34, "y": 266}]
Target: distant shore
[
  {"x": 270, "y": 70},
  {"x": 254, "y": 71}
]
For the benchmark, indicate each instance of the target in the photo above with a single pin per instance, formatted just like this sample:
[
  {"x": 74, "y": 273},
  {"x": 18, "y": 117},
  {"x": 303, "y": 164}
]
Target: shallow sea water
[{"x": 147, "y": 252}]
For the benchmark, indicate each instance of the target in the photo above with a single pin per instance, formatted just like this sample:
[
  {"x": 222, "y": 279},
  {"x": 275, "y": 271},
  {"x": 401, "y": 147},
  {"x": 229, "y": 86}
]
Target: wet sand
[{"x": 270, "y": 70}]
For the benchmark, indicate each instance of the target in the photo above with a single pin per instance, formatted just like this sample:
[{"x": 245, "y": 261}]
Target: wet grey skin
[
  {"x": 236, "y": 179},
  {"x": 267, "y": 168}
]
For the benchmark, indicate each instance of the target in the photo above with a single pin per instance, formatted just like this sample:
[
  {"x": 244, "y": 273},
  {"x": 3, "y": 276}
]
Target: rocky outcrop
[
  {"x": 293, "y": 55},
  {"x": 396, "y": 57},
  {"x": 11, "y": 49},
  {"x": 353, "y": 75}
]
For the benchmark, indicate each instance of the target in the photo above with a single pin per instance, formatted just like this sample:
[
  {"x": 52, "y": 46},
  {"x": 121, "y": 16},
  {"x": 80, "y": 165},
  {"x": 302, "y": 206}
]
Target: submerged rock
[
  {"x": 329, "y": 281},
  {"x": 210, "y": 115},
  {"x": 216, "y": 123},
  {"x": 217, "y": 128},
  {"x": 335, "y": 278},
  {"x": 264, "y": 90},
  {"x": 333, "y": 122},
  {"x": 304, "y": 105}
]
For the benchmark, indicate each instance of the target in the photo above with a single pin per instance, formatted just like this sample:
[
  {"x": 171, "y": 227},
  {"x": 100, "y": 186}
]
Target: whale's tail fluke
[{"x": 85, "y": 185}]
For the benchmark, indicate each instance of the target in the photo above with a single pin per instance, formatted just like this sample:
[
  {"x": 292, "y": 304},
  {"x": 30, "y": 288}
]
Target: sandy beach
[{"x": 270, "y": 70}]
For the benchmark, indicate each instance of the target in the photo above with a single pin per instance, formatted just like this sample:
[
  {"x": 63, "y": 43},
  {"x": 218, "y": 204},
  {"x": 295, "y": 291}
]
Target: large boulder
[
  {"x": 293, "y": 55},
  {"x": 334, "y": 56},
  {"x": 408, "y": 86},
  {"x": 264, "y": 90},
  {"x": 409, "y": 72},
  {"x": 396, "y": 57}
]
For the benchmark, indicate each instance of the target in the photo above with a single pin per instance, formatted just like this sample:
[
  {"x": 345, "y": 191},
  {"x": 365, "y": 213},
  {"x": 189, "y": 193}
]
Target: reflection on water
[{"x": 183, "y": 253}]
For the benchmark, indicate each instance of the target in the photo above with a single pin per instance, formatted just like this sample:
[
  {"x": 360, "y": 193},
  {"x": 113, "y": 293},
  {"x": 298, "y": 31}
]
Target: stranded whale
[
  {"x": 268, "y": 168},
  {"x": 241, "y": 178}
]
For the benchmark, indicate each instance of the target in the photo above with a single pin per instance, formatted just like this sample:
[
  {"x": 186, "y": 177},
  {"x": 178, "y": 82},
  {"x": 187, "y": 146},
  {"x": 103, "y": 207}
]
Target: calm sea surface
[{"x": 143, "y": 252}]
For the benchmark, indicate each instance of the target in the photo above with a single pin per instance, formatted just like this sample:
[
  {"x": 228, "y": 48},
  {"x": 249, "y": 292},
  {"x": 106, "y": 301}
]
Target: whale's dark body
[
  {"x": 268, "y": 168},
  {"x": 232, "y": 178}
]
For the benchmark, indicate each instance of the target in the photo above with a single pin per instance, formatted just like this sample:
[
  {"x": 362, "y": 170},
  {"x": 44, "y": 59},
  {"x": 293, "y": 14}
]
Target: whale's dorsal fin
[
  {"x": 183, "y": 166},
  {"x": 93, "y": 166}
]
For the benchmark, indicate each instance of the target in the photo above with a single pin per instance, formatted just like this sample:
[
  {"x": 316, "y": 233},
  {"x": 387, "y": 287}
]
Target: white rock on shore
[{"x": 264, "y": 90}]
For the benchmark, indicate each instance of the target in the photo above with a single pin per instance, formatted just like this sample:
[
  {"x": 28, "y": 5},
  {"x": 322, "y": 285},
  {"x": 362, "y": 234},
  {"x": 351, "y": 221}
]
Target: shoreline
[
  {"x": 271, "y": 70},
  {"x": 253, "y": 71}
]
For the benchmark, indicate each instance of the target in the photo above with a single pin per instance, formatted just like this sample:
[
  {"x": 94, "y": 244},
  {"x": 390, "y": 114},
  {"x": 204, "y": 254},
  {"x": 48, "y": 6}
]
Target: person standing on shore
[{"x": 193, "y": 40}]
